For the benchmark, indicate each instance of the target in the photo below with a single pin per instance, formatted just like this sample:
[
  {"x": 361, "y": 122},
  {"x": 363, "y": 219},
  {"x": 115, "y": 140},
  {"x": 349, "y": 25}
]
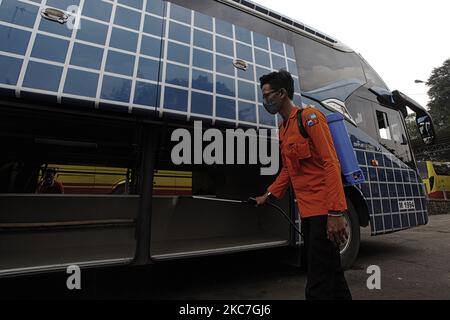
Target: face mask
[{"x": 273, "y": 107}]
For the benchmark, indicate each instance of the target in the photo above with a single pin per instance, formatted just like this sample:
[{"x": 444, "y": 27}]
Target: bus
[
  {"x": 436, "y": 178},
  {"x": 92, "y": 91}
]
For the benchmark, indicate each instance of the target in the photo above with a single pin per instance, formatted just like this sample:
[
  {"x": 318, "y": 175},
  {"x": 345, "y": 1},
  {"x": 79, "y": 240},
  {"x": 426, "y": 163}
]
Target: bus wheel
[{"x": 349, "y": 249}]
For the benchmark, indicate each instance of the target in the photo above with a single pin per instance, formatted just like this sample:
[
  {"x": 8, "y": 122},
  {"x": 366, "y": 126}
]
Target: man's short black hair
[{"x": 279, "y": 80}]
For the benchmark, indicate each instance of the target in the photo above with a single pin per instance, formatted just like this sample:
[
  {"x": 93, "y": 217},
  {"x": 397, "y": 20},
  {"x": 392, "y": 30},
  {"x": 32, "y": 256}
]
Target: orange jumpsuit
[{"x": 310, "y": 165}]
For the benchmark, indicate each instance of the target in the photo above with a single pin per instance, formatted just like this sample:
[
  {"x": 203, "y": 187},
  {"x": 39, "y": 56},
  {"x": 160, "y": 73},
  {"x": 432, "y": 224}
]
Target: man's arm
[{"x": 277, "y": 188}]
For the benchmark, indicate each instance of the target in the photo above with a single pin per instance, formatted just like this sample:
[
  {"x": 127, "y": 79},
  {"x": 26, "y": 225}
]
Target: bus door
[{"x": 392, "y": 134}]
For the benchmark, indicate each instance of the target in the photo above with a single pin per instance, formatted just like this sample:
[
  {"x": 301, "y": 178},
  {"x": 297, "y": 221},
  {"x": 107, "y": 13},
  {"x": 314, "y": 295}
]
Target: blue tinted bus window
[
  {"x": 224, "y": 65},
  {"x": 262, "y": 58},
  {"x": 180, "y": 13},
  {"x": 42, "y": 76},
  {"x": 19, "y": 13},
  {"x": 202, "y": 104},
  {"x": 125, "y": 40},
  {"x": 116, "y": 89},
  {"x": 177, "y": 75},
  {"x": 56, "y": 28},
  {"x": 155, "y": 7},
  {"x": 132, "y": 3},
  {"x": 248, "y": 74},
  {"x": 97, "y": 9},
  {"x": 247, "y": 112},
  {"x": 225, "y": 86},
  {"x": 120, "y": 63},
  {"x": 178, "y": 53},
  {"x": 148, "y": 69},
  {"x": 20, "y": 43},
  {"x": 202, "y": 80},
  {"x": 278, "y": 62},
  {"x": 62, "y": 4},
  {"x": 224, "y": 46},
  {"x": 277, "y": 47},
  {"x": 244, "y": 52},
  {"x": 202, "y": 59},
  {"x": 243, "y": 35},
  {"x": 151, "y": 46},
  {"x": 153, "y": 25},
  {"x": 50, "y": 48},
  {"x": 246, "y": 90},
  {"x": 145, "y": 94},
  {"x": 92, "y": 32},
  {"x": 179, "y": 32},
  {"x": 176, "y": 99},
  {"x": 225, "y": 108},
  {"x": 203, "y": 21},
  {"x": 10, "y": 69},
  {"x": 224, "y": 28},
  {"x": 81, "y": 83},
  {"x": 127, "y": 18},
  {"x": 260, "y": 41},
  {"x": 86, "y": 56},
  {"x": 203, "y": 40}
]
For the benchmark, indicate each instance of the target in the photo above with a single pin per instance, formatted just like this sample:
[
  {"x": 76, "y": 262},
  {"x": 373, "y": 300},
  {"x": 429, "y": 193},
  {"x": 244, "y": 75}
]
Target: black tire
[{"x": 350, "y": 250}]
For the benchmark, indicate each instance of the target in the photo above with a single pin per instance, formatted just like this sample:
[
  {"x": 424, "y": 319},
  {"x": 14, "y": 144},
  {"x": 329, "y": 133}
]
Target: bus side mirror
[{"x": 425, "y": 126}]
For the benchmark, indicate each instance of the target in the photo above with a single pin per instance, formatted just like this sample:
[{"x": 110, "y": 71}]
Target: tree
[{"x": 439, "y": 105}]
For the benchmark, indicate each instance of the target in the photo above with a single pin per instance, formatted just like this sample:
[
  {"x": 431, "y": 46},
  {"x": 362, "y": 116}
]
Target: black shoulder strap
[{"x": 301, "y": 127}]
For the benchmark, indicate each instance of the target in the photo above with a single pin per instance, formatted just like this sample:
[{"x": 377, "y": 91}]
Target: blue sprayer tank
[{"x": 344, "y": 149}]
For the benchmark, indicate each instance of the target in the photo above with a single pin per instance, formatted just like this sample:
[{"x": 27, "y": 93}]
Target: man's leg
[{"x": 325, "y": 277}]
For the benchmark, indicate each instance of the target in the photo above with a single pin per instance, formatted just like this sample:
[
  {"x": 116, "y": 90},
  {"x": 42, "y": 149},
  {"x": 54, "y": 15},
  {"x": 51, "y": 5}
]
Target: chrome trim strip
[
  {"x": 219, "y": 251},
  {"x": 57, "y": 267}
]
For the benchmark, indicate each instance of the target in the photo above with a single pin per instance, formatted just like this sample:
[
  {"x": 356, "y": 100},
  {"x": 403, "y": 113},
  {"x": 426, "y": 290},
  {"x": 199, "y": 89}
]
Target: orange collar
[
  {"x": 292, "y": 115},
  {"x": 294, "y": 112}
]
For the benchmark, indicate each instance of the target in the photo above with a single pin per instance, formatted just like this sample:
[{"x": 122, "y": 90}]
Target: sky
[{"x": 403, "y": 40}]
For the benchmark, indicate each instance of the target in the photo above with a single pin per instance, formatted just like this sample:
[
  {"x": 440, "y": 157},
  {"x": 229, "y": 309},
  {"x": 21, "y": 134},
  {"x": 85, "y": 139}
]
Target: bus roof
[{"x": 286, "y": 22}]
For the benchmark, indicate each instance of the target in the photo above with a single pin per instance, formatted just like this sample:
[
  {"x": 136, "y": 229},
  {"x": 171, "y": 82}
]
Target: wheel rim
[{"x": 343, "y": 247}]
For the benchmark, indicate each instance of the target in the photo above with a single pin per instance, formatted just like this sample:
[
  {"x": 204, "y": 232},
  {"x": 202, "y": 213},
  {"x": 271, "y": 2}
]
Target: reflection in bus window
[
  {"x": 326, "y": 72},
  {"x": 361, "y": 111},
  {"x": 47, "y": 183},
  {"x": 85, "y": 179},
  {"x": 383, "y": 125},
  {"x": 373, "y": 79},
  {"x": 171, "y": 182},
  {"x": 396, "y": 133},
  {"x": 79, "y": 179}
]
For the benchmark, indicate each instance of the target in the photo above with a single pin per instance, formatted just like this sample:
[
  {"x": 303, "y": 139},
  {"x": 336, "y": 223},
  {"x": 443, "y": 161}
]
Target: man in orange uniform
[{"x": 311, "y": 166}]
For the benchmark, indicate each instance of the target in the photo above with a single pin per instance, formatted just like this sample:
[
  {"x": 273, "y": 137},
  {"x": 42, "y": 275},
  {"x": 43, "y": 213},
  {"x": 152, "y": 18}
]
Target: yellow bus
[
  {"x": 436, "y": 178},
  {"x": 77, "y": 179}
]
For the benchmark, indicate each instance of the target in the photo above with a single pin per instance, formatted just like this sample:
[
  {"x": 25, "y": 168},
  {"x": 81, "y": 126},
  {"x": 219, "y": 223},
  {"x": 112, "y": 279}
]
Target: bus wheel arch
[
  {"x": 355, "y": 196},
  {"x": 357, "y": 216}
]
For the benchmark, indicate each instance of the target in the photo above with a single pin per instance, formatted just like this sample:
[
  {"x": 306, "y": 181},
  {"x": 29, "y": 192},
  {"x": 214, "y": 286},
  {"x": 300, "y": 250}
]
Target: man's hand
[
  {"x": 336, "y": 229},
  {"x": 262, "y": 199}
]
